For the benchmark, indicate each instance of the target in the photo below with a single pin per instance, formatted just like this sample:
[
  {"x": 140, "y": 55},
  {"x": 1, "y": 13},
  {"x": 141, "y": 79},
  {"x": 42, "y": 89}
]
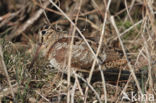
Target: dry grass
[{"x": 132, "y": 23}]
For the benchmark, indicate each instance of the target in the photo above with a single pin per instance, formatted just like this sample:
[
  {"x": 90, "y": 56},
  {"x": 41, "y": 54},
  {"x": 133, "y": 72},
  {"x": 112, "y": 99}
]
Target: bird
[{"x": 55, "y": 47}]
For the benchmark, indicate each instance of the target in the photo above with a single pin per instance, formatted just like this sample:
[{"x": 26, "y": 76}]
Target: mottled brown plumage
[{"x": 55, "y": 46}]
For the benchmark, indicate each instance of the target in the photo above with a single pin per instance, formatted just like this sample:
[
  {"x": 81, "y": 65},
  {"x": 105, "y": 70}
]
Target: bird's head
[{"x": 47, "y": 37}]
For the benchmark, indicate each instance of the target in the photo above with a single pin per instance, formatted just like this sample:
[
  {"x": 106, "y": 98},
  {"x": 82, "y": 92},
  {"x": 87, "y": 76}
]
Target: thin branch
[
  {"x": 6, "y": 72},
  {"x": 149, "y": 58},
  {"x": 28, "y": 22},
  {"x": 97, "y": 53},
  {"x": 90, "y": 86},
  {"x": 70, "y": 51},
  {"x": 7, "y": 91},
  {"x": 125, "y": 54}
]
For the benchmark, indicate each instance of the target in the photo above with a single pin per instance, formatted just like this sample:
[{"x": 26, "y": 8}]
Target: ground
[{"x": 26, "y": 76}]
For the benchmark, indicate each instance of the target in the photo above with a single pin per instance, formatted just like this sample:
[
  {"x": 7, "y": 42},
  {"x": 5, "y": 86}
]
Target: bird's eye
[{"x": 43, "y": 32}]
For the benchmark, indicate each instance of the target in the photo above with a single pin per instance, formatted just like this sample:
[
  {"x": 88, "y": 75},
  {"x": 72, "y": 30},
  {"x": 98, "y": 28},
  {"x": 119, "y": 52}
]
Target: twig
[
  {"x": 7, "y": 17},
  {"x": 90, "y": 86},
  {"x": 42, "y": 96},
  {"x": 103, "y": 83},
  {"x": 124, "y": 89},
  {"x": 70, "y": 51},
  {"x": 28, "y": 22},
  {"x": 47, "y": 9},
  {"x": 7, "y": 91},
  {"x": 127, "y": 30},
  {"x": 97, "y": 53},
  {"x": 128, "y": 11},
  {"x": 97, "y": 7},
  {"x": 149, "y": 58},
  {"x": 45, "y": 13},
  {"x": 91, "y": 23},
  {"x": 124, "y": 51},
  {"x": 6, "y": 72}
]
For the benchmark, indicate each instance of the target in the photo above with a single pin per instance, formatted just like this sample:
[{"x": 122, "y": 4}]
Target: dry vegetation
[{"x": 128, "y": 25}]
